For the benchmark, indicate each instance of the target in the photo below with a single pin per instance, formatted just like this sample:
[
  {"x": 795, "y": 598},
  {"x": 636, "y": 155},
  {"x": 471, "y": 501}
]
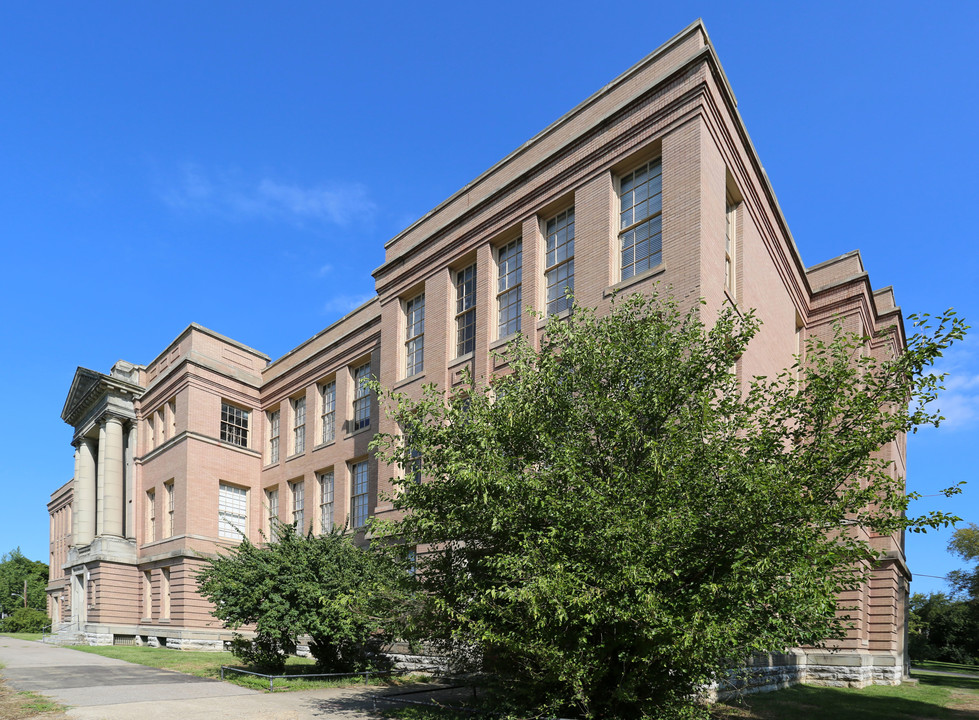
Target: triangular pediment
[{"x": 83, "y": 386}]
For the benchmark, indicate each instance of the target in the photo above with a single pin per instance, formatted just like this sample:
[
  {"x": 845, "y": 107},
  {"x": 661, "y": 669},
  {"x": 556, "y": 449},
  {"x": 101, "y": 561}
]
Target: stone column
[
  {"x": 112, "y": 486},
  {"x": 83, "y": 495},
  {"x": 100, "y": 484}
]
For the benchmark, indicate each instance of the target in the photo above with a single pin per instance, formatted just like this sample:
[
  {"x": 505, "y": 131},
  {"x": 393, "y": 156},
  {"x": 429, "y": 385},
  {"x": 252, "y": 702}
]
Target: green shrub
[{"x": 25, "y": 620}]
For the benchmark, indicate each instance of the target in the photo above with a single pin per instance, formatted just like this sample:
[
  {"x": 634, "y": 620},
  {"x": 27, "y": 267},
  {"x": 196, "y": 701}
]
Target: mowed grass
[
  {"x": 945, "y": 667},
  {"x": 208, "y": 665},
  {"x": 934, "y": 698}
]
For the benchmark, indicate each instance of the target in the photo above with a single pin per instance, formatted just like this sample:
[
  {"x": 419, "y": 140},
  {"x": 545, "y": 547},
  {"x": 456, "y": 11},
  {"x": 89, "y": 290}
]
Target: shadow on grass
[
  {"x": 874, "y": 703},
  {"x": 946, "y": 681}
]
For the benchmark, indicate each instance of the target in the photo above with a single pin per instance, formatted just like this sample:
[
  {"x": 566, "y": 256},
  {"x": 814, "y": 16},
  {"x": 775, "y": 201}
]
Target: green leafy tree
[
  {"x": 943, "y": 628},
  {"x": 965, "y": 544},
  {"x": 618, "y": 521},
  {"x": 343, "y": 597},
  {"x": 15, "y": 570}
]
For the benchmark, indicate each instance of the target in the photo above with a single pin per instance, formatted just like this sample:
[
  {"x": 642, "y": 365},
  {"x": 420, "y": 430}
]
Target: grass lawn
[
  {"x": 945, "y": 667},
  {"x": 934, "y": 698},
  {"x": 16, "y": 705},
  {"x": 208, "y": 665}
]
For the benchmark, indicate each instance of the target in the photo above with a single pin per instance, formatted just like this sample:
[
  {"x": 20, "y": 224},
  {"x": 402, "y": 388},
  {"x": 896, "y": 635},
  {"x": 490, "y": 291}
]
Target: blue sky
[{"x": 241, "y": 165}]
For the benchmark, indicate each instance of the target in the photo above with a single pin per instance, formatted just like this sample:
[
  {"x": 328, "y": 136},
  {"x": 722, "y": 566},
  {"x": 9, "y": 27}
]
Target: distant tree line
[
  {"x": 23, "y": 597},
  {"x": 945, "y": 627}
]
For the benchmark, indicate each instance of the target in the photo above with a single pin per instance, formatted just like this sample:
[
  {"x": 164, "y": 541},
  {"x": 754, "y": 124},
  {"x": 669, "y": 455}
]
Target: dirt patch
[{"x": 16, "y": 705}]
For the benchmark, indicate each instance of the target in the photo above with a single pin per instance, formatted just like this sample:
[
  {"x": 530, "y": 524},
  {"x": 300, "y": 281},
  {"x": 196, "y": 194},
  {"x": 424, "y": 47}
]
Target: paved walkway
[{"x": 99, "y": 688}]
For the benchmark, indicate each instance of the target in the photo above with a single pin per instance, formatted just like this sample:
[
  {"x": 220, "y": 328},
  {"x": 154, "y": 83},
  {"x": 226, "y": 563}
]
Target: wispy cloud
[
  {"x": 229, "y": 195},
  {"x": 324, "y": 270},
  {"x": 959, "y": 402},
  {"x": 340, "y": 305}
]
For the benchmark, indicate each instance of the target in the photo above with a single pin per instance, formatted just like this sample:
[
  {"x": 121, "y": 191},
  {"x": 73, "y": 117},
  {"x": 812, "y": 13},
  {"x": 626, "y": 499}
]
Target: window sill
[
  {"x": 635, "y": 279},
  {"x": 271, "y": 464},
  {"x": 461, "y": 359},
  {"x": 408, "y": 380},
  {"x": 355, "y": 433},
  {"x": 563, "y": 315},
  {"x": 504, "y": 341},
  {"x": 325, "y": 445},
  {"x": 296, "y": 455}
]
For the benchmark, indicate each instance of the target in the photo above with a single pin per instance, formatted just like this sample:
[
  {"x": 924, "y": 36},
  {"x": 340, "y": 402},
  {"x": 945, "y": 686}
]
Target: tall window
[
  {"x": 147, "y": 594},
  {"x": 466, "y": 311},
  {"x": 640, "y": 218},
  {"x": 272, "y": 521},
  {"x": 559, "y": 263},
  {"x": 274, "y": 436},
  {"x": 234, "y": 425},
  {"x": 415, "y": 335},
  {"x": 298, "y": 491},
  {"x": 510, "y": 263},
  {"x": 326, "y": 501},
  {"x": 169, "y": 489},
  {"x": 232, "y": 512},
  {"x": 161, "y": 422},
  {"x": 299, "y": 425},
  {"x": 730, "y": 244},
  {"x": 358, "y": 498},
  {"x": 150, "y": 515},
  {"x": 164, "y": 593},
  {"x": 172, "y": 413},
  {"x": 362, "y": 397},
  {"x": 329, "y": 416}
]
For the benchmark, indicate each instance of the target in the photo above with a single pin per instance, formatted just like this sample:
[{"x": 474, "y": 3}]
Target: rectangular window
[
  {"x": 326, "y": 501},
  {"x": 358, "y": 498},
  {"x": 164, "y": 593},
  {"x": 172, "y": 413},
  {"x": 640, "y": 219},
  {"x": 415, "y": 335},
  {"x": 234, "y": 425},
  {"x": 147, "y": 594},
  {"x": 328, "y": 397},
  {"x": 299, "y": 425},
  {"x": 272, "y": 524},
  {"x": 730, "y": 244},
  {"x": 169, "y": 489},
  {"x": 466, "y": 311},
  {"x": 150, "y": 432},
  {"x": 510, "y": 263},
  {"x": 232, "y": 512},
  {"x": 274, "y": 436},
  {"x": 362, "y": 397},
  {"x": 559, "y": 262},
  {"x": 161, "y": 422},
  {"x": 298, "y": 491},
  {"x": 150, "y": 515}
]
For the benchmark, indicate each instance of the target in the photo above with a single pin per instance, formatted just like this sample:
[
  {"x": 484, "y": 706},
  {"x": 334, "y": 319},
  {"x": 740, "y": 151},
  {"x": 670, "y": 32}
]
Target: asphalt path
[{"x": 99, "y": 688}]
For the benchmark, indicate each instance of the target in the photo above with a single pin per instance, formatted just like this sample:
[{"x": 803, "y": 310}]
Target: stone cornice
[{"x": 89, "y": 386}]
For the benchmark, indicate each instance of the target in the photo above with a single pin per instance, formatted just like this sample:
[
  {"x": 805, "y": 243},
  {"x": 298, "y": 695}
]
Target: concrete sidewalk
[{"x": 99, "y": 688}]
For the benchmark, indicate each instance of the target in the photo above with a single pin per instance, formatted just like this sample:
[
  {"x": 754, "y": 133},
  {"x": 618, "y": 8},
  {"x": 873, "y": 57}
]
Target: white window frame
[
  {"x": 232, "y": 512},
  {"x": 328, "y": 418},
  {"x": 275, "y": 420},
  {"x": 327, "y": 480},
  {"x": 272, "y": 518},
  {"x": 170, "y": 507},
  {"x": 297, "y": 490},
  {"x": 299, "y": 425},
  {"x": 466, "y": 310},
  {"x": 362, "y": 398},
  {"x": 509, "y": 288},
  {"x": 234, "y": 425},
  {"x": 559, "y": 261},
  {"x": 151, "y": 515},
  {"x": 359, "y": 492},
  {"x": 641, "y": 219},
  {"x": 731, "y": 245},
  {"x": 415, "y": 335}
]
